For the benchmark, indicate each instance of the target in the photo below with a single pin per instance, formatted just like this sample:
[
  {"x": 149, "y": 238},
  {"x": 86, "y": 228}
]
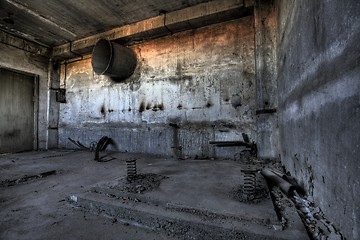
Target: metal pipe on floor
[{"x": 284, "y": 185}]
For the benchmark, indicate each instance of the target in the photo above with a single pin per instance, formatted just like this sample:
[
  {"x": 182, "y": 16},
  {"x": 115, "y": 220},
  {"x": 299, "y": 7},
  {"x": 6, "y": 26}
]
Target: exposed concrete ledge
[
  {"x": 25, "y": 45},
  {"x": 189, "y": 18}
]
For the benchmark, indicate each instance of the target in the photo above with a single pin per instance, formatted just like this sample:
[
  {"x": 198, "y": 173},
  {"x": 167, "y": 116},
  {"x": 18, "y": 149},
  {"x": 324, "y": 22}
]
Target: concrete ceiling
[
  {"x": 70, "y": 28},
  {"x": 55, "y": 22}
]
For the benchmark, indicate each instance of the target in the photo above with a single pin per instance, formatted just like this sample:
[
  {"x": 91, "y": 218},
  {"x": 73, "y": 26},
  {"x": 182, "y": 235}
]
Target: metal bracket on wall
[
  {"x": 265, "y": 111},
  {"x": 61, "y": 95}
]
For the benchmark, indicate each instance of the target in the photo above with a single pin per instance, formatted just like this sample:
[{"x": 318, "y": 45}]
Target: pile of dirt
[
  {"x": 259, "y": 194},
  {"x": 141, "y": 183},
  {"x": 27, "y": 178}
]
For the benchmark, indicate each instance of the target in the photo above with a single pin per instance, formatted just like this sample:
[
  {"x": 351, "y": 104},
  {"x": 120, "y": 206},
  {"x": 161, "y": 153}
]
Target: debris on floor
[
  {"x": 101, "y": 146},
  {"x": 96, "y": 147},
  {"x": 314, "y": 219},
  {"x": 140, "y": 183},
  {"x": 8, "y": 183},
  {"x": 285, "y": 189},
  {"x": 188, "y": 199},
  {"x": 258, "y": 194}
]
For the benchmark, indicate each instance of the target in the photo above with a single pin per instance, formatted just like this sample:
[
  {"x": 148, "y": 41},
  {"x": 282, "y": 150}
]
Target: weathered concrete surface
[
  {"x": 319, "y": 103},
  {"x": 195, "y": 195},
  {"x": 27, "y": 46},
  {"x": 266, "y": 79},
  {"x": 58, "y": 22},
  {"x": 188, "y": 89},
  {"x": 166, "y": 23},
  {"x": 37, "y": 209},
  {"x": 19, "y": 55}
]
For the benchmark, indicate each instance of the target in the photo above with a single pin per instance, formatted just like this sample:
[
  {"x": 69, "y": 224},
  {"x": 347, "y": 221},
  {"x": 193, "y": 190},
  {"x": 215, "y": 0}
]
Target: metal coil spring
[
  {"x": 249, "y": 182},
  {"x": 131, "y": 169}
]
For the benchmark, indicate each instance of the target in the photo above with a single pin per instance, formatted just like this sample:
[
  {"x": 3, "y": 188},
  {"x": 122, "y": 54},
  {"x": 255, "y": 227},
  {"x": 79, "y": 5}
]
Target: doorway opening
[{"x": 18, "y": 111}]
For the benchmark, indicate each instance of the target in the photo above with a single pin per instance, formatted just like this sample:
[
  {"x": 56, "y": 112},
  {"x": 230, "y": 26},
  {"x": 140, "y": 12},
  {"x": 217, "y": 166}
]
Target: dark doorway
[{"x": 16, "y": 111}]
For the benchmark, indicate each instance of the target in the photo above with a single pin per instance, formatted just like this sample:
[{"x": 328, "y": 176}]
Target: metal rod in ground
[{"x": 131, "y": 169}]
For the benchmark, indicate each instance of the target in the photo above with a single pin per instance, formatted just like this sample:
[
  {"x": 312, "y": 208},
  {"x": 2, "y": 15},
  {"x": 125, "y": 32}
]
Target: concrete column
[
  {"x": 54, "y": 106},
  {"x": 266, "y": 79}
]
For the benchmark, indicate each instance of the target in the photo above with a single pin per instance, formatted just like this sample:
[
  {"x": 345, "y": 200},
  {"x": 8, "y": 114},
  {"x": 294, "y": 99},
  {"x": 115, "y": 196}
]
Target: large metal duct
[{"x": 113, "y": 60}]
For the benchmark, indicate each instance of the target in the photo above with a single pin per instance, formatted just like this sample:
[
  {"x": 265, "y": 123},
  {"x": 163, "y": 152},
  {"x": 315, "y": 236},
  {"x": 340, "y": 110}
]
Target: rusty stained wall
[{"x": 188, "y": 89}]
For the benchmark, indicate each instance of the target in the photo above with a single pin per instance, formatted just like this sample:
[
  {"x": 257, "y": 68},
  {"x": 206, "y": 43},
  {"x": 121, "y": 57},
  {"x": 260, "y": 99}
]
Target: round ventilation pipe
[{"x": 113, "y": 60}]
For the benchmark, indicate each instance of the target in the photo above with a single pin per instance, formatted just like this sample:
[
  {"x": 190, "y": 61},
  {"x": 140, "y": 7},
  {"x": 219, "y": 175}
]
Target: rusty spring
[
  {"x": 131, "y": 169},
  {"x": 249, "y": 182}
]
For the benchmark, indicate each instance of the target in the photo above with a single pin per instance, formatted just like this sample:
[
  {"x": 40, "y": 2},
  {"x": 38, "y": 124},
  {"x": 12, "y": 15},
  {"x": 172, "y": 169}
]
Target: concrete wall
[
  {"x": 200, "y": 80},
  {"x": 20, "y": 55},
  {"x": 319, "y": 103}
]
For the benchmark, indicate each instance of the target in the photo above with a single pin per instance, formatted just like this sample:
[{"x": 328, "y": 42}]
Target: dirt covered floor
[
  {"x": 67, "y": 195},
  {"x": 34, "y": 205}
]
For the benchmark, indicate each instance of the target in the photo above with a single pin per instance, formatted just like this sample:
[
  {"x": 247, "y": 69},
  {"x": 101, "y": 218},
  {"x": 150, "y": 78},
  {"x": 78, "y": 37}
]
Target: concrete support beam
[
  {"x": 189, "y": 18},
  {"x": 22, "y": 44},
  {"x": 266, "y": 79}
]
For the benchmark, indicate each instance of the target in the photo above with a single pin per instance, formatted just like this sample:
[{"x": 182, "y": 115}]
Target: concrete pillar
[
  {"x": 54, "y": 105},
  {"x": 266, "y": 79}
]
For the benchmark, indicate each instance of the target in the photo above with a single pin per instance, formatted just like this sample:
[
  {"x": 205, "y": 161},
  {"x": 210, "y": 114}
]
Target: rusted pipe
[
  {"x": 101, "y": 145},
  {"x": 274, "y": 177}
]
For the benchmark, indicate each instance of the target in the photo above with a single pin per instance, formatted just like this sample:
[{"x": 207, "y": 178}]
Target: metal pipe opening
[{"x": 113, "y": 60}]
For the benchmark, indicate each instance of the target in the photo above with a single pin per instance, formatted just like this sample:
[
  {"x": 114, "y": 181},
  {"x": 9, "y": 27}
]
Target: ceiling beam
[
  {"x": 165, "y": 24},
  {"x": 23, "y": 44}
]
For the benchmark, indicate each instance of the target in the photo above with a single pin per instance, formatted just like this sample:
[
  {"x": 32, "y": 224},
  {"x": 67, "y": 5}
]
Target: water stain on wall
[
  {"x": 103, "y": 110},
  {"x": 142, "y": 107}
]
